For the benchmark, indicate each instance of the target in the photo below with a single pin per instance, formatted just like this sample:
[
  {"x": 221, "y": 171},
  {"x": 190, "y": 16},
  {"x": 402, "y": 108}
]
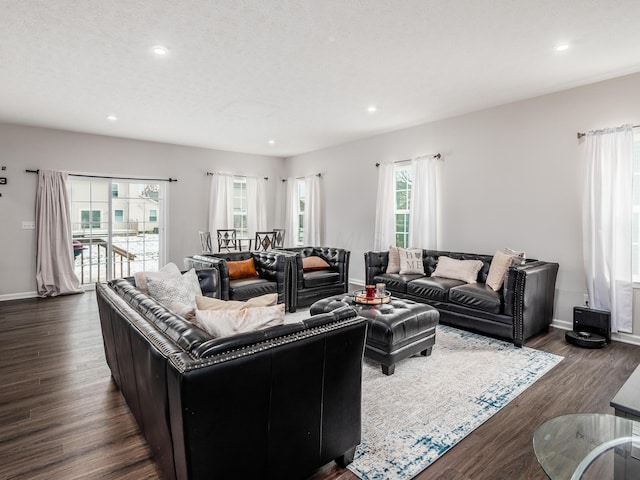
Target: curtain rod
[
  {"x": 435, "y": 155},
  {"x": 115, "y": 178},
  {"x": 581, "y": 134},
  {"x": 300, "y": 178},
  {"x": 240, "y": 176}
]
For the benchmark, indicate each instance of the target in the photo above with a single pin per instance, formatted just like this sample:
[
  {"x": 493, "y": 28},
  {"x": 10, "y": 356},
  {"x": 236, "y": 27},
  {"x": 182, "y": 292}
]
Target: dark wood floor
[{"x": 62, "y": 418}]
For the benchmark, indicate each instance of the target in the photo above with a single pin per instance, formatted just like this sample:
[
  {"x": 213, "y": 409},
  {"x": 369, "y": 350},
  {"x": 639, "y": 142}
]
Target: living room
[{"x": 512, "y": 175}]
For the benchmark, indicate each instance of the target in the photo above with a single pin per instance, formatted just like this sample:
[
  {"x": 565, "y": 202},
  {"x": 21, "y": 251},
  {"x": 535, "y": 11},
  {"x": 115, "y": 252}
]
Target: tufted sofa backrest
[{"x": 430, "y": 261}]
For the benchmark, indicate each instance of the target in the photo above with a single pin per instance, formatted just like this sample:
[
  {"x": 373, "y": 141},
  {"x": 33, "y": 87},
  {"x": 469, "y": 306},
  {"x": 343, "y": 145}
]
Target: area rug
[{"x": 414, "y": 416}]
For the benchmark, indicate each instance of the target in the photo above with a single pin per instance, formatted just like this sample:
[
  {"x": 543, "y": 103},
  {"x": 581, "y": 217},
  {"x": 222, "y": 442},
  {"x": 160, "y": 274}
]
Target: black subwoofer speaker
[{"x": 591, "y": 328}]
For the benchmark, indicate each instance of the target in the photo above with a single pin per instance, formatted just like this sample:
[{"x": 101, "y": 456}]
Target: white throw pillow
[
  {"x": 499, "y": 267},
  {"x": 393, "y": 265},
  {"x": 176, "y": 292},
  {"x": 208, "y": 303},
  {"x": 411, "y": 261},
  {"x": 224, "y": 323},
  {"x": 465, "y": 270},
  {"x": 170, "y": 270}
]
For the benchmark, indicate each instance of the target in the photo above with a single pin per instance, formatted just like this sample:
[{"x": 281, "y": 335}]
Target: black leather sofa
[
  {"x": 273, "y": 404},
  {"x": 310, "y": 286},
  {"x": 518, "y": 311},
  {"x": 273, "y": 268}
]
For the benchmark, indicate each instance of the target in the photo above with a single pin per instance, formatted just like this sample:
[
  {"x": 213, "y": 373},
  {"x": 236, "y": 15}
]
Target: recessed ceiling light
[
  {"x": 111, "y": 117},
  {"x": 160, "y": 50},
  {"x": 272, "y": 142},
  {"x": 561, "y": 47},
  {"x": 372, "y": 109}
]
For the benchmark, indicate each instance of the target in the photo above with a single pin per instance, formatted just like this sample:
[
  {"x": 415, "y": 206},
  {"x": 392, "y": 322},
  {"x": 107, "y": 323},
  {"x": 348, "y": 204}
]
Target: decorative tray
[{"x": 360, "y": 296}]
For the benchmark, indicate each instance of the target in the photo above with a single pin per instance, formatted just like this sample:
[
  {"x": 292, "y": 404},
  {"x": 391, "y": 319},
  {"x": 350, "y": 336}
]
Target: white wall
[
  {"x": 38, "y": 148},
  {"x": 512, "y": 178}
]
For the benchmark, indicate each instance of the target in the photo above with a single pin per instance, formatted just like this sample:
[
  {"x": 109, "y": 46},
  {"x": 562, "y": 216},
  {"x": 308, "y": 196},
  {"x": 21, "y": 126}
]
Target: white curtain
[
  {"x": 291, "y": 212},
  {"x": 220, "y": 203},
  {"x": 256, "y": 204},
  {"x": 54, "y": 243},
  {"x": 313, "y": 215},
  {"x": 606, "y": 223},
  {"x": 423, "y": 223},
  {"x": 385, "y": 226}
]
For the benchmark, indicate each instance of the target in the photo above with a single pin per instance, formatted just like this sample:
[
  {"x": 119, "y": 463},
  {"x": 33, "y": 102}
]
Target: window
[
  {"x": 120, "y": 226},
  {"x": 635, "y": 237},
  {"x": 302, "y": 198},
  {"x": 240, "y": 206},
  {"x": 90, "y": 218},
  {"x": 404, "y": 181}
]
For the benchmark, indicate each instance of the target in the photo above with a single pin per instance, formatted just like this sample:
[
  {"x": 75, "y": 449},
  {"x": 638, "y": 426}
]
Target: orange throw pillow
[
  {"x": 310, "y": 264},
  {"x": 242, "y": 269}
]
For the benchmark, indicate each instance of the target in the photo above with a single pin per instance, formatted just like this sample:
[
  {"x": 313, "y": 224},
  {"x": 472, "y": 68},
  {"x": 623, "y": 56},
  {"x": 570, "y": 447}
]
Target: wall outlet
[
  {"x": 586, "y": 299},
  {"x": 28, "y": 225}
]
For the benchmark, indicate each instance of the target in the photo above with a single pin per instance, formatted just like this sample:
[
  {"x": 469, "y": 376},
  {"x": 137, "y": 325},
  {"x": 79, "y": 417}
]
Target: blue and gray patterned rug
[{"x": 414, "y": 416}]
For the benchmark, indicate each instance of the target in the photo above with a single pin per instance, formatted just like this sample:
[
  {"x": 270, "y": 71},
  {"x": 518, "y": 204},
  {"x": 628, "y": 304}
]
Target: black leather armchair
[
  {"x": 273, "y": 268},
  {"x": 309, "y": 286}
]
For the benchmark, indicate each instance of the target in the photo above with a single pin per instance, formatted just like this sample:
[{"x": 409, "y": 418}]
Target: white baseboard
[
  {"x": 17, "y": 296},
  {"x": 618, "y": 337},
  {"x": 22, "y": 295},
  {"x": 356, "y": 281}
]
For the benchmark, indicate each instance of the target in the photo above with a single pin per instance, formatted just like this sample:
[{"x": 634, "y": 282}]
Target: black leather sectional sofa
[
  {"x": 521, "y": 309},
  {"x": 273, "y": 404}
]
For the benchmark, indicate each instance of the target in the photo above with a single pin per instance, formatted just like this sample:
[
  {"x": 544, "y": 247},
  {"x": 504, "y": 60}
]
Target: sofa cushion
[
  {"x": 477, "y": 295},
  {"x": 170, "y": 270},
  {"x": 465, "y": 270},
  {"x": 224, "y": 323},
  {"x": 432, "y": 288},
  {"x": 411, "y": 261},
  {"x": 320, "y": 278},
  {"x": 394, "y": 281},
  {"x": 499, "y": 267},
  {"x": 242, "y": 269},
  {"x": 313, "y": 263},
  {"x": 245, "y": 288},
  {"x": 393, "y": 265},
  {"x": 206, "y": 303},
  {"x": 175, "y": 292}
]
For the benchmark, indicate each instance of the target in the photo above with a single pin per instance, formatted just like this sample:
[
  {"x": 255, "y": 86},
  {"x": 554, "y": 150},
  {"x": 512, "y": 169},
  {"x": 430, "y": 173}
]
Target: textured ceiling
[{"x": 241, "y": 72}]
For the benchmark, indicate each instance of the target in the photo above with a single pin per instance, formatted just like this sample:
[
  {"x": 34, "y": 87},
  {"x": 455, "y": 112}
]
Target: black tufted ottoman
[{"x": 397, "y": 329}]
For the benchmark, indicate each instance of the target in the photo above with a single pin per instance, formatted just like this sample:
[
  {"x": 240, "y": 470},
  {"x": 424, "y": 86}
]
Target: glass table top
[{"x": 599, "y": 445}]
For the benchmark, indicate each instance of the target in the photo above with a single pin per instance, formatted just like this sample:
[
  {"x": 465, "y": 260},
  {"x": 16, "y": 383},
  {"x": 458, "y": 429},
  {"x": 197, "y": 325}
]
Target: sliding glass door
[{"x": 118, "y": 227}]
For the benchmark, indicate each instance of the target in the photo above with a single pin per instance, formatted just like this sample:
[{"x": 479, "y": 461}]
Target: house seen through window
[
  {"x": 403, "y": 184},
  {"x": 302, "y": 199},
  {"x": 240, "y": 206},
  {"x": 635, "y": 238},
  {"x": 119, "y": 225}
]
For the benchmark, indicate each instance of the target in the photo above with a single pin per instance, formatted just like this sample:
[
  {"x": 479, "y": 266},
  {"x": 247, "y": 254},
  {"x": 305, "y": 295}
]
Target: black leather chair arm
[
  {"x": 375, "y": 263},
  {"x": 206, "y": 262},
  {"x": 529, "y": 293}
]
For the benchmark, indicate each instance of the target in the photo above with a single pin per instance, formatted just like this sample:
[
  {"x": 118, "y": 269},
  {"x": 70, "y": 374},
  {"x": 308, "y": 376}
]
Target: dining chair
[
  {"x": 227, "y": 240},
  {"x": 264, "y": 240},
  {"x": 205, "y": 242},
  {"x": 278, "y": 237}
]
